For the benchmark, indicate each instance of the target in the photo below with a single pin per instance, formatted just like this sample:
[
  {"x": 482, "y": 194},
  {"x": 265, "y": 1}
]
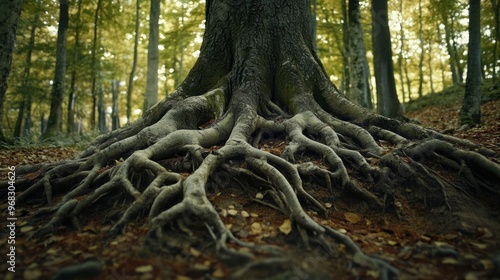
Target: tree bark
[
  {"x": 8, "y": 26},
  {"x": 470, "y": 114},
  {"x": 496, "y": 11},
  {"x": 258, "y": 77},
  {"x": 422, "y": 50},
  {"x": 74, "y": 71},
  {"x": 115, "y": 113},
  {"x": 151, "y": 97},
  {"x": 360, "y": 76},
  {"x": 26, "y": 89},
  {"x": 387, "y": 98},
  {"x": 130, "y": 85},
  {"x": 54, "y": 124},
  {"x": 346, "y": 81},
  {"x": 94, "y": 67}
]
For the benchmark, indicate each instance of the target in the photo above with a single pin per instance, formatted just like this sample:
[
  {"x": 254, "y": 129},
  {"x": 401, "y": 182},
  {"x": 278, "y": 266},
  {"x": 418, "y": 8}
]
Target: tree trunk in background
[
  {"x": 93, "y": 71},
  {"x": 449, "y": 48},
  {"x": 151, "y": 97},
  {"x": 401, "y": 52},
  {"x": 429, "y": 60},
  {"x": 314, "y": 23},
  {"x": 130, "y": 86},
  {"x": 25, "y": 107},
  {"x": 8, "y": 26},
  {"x": 496, "y": 10},
  {"x": 359, "y": 70},
  {"x": 346, "y": 81},
  {"x": 101, "y": 110},
  {"x": 115, "y": 113},
  {"x": 387, "y": 98},
  {"x": 54, "y": 124},
  {"x": 443, "y": 71},
  {"x": 471, "y": 108},
  {"x": 460, "y": 68},
  {"x": 422, "y": 51},
  {"x": 74, "y": 71},
  {"x": 180, "y": 43}
]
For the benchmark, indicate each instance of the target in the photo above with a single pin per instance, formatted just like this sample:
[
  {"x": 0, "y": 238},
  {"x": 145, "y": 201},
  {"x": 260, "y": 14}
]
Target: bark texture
[
  {"x": 54, "y": 124},
  {"x": 8, "y": 26},
  {"x": 258, "y": 76},
  {"x": 470, "y": 114},
  {"x": 387, "y": 97},
  {"x": 151, "y": 97},
  {"x": 360, "y": 91}
]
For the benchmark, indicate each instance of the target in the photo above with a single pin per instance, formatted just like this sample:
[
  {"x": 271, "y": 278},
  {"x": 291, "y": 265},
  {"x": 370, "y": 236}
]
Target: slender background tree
[
  {"x": 55, "y": 122},
  {"x": 471, "y": 109}
]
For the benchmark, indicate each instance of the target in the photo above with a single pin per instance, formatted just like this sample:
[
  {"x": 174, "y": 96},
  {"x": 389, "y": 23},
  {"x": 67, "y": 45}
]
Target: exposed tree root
[{"x": 161, "y": 164}]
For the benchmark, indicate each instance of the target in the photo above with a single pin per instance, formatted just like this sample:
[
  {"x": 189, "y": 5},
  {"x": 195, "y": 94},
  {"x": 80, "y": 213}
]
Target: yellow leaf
[
  {"x": 352, "y": 217},
  {"x": 286, "y": 227},
  {"x": 144, "y": 269},
  {"x": 256, "y": 228},
  {"x": 194, "y": 252}
]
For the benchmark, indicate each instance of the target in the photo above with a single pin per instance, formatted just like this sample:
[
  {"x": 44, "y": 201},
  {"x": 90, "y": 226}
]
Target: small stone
[
  {"x": 232, "y": 212},
  {"x": 245, "y": 214},
  {"x": 328, "y": 205},
  {"x": 342, "y": 230},
  {"x": 259, "y": 196}
]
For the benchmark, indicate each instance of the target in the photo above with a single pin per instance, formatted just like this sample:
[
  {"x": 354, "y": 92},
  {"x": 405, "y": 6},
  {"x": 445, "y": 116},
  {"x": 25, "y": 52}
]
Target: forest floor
[{"x": 420, "y": 247}]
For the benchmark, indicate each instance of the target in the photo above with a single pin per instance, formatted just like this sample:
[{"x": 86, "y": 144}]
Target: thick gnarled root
[{"x": 370, "y": 159}]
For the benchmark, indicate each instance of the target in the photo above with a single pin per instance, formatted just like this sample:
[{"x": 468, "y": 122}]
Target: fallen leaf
[
  {"x": 218, "y": 273},
  {"x": 487, "y": 264},
  {"x": 441, "y": 244},
  {"x": 449, "y": 261},
  {"x": 256, "y": 228},
  {"x": 194, "y": 252},
  {"x": 144, "y": 269},
  {"x": 286, "y": 227},
  {"x": 32, "y": 274},
  {"x": 232, "y": 212},
  {"x": 352, "y": 217},
  {"x": 479, "y": 245},
  {"x": 470, "y": 276},
  {"x": 259, "y": 196},
  {"x": 26, "y": 229}
]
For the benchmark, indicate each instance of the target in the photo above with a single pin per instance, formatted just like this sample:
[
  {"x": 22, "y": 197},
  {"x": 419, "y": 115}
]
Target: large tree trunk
[
  {"x": 258, "y": 79},
  {"x": 54, "y": 124},
  {"x": 471, "y": 108},
  {"x": 8, "y": 26}
]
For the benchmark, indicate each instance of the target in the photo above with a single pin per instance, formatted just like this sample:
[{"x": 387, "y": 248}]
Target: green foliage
[{"x": 455, "y": 94}]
